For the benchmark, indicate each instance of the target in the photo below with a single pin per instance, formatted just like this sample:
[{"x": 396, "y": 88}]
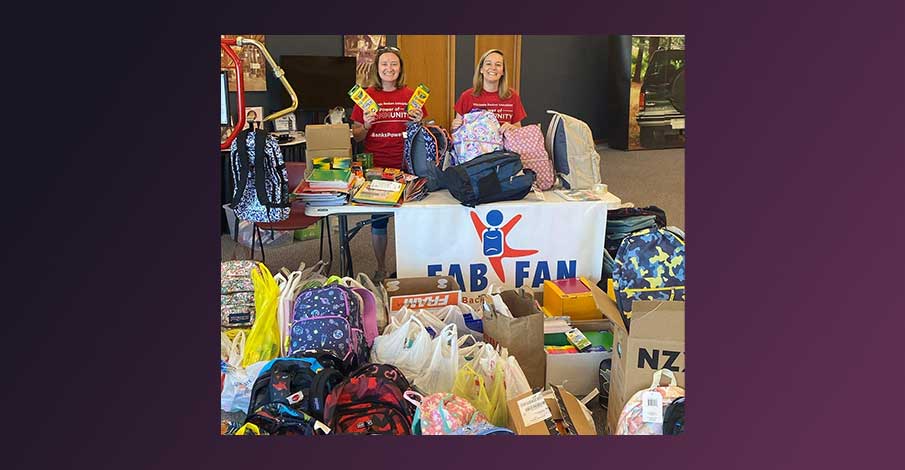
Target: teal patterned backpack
[{"x": 650, "y": 265}]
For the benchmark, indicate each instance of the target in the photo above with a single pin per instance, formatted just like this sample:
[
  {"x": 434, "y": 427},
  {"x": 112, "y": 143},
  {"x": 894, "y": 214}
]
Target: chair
[{"x": 295, "y": 173}]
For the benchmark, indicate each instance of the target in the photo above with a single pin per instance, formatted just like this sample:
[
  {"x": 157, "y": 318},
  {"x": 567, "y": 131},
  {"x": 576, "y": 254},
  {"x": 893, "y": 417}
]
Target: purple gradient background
[{"x": 796, "y": 313}]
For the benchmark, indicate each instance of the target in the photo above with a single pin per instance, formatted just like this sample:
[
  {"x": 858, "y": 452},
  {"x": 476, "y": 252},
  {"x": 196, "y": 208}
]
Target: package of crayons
[
  {"x": 418, "y": 98},
  {"x": 363, "y": 99}
]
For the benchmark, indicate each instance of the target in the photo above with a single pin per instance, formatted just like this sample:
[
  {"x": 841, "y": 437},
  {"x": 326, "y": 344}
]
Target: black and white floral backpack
[{"x": 261, "y": 185}]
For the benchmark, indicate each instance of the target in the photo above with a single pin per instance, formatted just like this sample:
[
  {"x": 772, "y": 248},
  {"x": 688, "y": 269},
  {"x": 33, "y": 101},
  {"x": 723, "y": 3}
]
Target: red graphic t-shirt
[
  {"x": 509, "y": 110},
  {"x": 384, "y": 138}
]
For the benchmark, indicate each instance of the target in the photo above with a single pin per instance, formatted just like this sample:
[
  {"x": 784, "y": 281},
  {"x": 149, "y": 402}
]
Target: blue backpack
[
  {"x": 329, "y": 319},
  {"x": 495, "y": 176},
  {"x": 650, "y": 265},
  {"x": 259, "y": 173},
  {"x": 426, "y": 153}
]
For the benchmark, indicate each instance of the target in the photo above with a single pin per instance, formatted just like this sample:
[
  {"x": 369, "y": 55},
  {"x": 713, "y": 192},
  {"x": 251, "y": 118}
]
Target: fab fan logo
[
  {"x": 513, "y": 266},
  {"x": 493, "y": 239}
]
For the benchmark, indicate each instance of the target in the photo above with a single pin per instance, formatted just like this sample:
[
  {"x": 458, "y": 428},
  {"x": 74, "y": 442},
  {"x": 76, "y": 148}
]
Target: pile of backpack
[
  {"x": 478, "y": 164},
  {"x": 303, "y": 354}
]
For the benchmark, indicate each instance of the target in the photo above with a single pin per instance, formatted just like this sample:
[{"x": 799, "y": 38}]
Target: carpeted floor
[{"x": 649, "y": 177}]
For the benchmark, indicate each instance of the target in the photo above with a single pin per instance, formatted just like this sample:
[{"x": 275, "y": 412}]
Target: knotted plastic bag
[
  {"x": 408, "y": 347},
  {"x": 488, "y": 398},
  {"x": 440, "y": 374}
]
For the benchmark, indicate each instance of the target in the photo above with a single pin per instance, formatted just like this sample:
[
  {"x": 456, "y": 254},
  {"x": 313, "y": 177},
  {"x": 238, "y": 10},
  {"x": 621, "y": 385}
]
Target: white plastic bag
[
  {"x": 468, "y": 353},
  {"x": 453, "y": 315},
  {"x": 498, "y": 304},
  {"x": 485, "y": 362},
  {"x": 516, "y": 382},
  {"x": 431, "y": 323},
  {"x": 382, "y": 317},
  {"x": 231, "y": 350},
  {"x": 408, "y": 347},
  {"x": 237, "y": 387},
  {"x": 440, "y": 373}
]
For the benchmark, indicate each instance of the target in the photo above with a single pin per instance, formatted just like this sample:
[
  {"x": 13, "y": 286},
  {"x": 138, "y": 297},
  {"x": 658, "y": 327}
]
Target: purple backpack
[
  {"x": 478, "y": 134},
  {"x": 329, "y": 319}
]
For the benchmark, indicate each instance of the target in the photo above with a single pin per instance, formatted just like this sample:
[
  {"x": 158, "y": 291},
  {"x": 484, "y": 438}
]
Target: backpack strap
[
  {"x": 431, "y": 136},
  {"x": 260, "y": 168},
  {"x": 411, "y": 131},
  {"x": 321, "y": 386},
  {"x": 243, "y": 168}
]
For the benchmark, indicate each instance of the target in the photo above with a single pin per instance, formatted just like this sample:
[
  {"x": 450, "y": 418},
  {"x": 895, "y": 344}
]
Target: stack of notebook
[{"x": 324, "y": 187}]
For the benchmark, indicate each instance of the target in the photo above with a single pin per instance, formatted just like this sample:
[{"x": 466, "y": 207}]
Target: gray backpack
[{"x": 570, "y": 144}]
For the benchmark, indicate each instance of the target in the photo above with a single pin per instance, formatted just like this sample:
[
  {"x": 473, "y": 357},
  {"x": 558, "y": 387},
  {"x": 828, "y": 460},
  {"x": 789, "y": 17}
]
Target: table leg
[{"x": 345, "y": 262}]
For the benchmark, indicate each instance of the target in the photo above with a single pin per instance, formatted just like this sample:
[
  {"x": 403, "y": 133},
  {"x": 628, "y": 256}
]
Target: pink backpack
[
  {"x": 528, "y": 142},
  {"x": 478, "y": 134},
  {"x": 441, "y": 414},
  {"x": 632, "y": 421}
]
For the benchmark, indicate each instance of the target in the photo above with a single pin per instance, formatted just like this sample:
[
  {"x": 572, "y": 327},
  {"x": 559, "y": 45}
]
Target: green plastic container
[{"x": 309, "y": 233}]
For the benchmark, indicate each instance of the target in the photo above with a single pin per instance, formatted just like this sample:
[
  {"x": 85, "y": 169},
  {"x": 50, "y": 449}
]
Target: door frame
[{"x": 450, "y": 71}]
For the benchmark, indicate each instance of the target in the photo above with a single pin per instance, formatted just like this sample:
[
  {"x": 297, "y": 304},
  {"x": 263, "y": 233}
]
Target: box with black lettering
[{"x": 653, "y": 339}]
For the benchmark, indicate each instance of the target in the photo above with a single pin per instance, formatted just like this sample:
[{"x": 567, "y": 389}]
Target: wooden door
[
  {"x": 511, "y": 45},
  {"x": 431, "y": 60}
]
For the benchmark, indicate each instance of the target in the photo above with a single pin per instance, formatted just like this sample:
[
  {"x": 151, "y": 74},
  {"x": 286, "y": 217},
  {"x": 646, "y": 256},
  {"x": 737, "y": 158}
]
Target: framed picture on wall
[
  {"x": 254, "y": 65},
  {"x": 364, "y": 48},
  {"x": 654, "y": 88},
  {"x": 254, "y": 114}
]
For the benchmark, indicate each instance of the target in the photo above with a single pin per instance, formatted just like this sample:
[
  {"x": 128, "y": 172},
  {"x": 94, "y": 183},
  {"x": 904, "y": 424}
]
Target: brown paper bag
[{"x": 523, "y": 335}]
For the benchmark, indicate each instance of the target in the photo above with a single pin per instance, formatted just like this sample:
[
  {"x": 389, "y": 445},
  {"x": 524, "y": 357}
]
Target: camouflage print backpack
[{"x": 650, "y": 265}]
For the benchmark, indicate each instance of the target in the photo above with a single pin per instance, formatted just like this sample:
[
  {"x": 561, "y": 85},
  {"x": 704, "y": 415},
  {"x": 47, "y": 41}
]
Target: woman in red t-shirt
[
  {"x": 382, "y": 131},
  {"x": 491, "y": 92}
]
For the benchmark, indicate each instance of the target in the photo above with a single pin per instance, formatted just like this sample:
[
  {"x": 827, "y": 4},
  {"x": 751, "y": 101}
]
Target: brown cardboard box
[
  {"x": 327, "y": 140},
  {"x": 583, "y": 424},
  {"x": 655, "y": 339},
  {"x": 578, "y": 373},
  {"x": 421, "y": 292}
]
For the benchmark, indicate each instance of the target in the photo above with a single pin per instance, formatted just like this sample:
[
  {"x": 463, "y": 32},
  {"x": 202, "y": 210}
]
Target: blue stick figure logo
[
  {"x": 493, "y": 236},
  {"x": 493, "y": 239}
]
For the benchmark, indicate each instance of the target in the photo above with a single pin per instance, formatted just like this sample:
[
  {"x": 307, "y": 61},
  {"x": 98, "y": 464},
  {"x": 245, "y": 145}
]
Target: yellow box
[
  {"x": 363, "y": 99},
  {"x": 570, "y": 297},
  {"x": 419, "y": 97}
]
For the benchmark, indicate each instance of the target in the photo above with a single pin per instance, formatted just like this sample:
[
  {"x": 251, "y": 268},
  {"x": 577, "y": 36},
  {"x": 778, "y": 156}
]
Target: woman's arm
[
  {"x": 456, "y": 122},
  {"x": 507, "y": 126},
  {"x": 358, "y": 131}
]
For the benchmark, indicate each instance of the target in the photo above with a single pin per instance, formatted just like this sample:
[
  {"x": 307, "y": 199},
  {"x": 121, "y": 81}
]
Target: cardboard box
[
  {"x": 578, "y": 373},
  {"x": 327, "y": 140},
  {"x": 654, "y": 339},
  {"x": 421, "y": 293},
  {"x": 584, "y": 424},
  {"x": 570, "y": 297}
]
